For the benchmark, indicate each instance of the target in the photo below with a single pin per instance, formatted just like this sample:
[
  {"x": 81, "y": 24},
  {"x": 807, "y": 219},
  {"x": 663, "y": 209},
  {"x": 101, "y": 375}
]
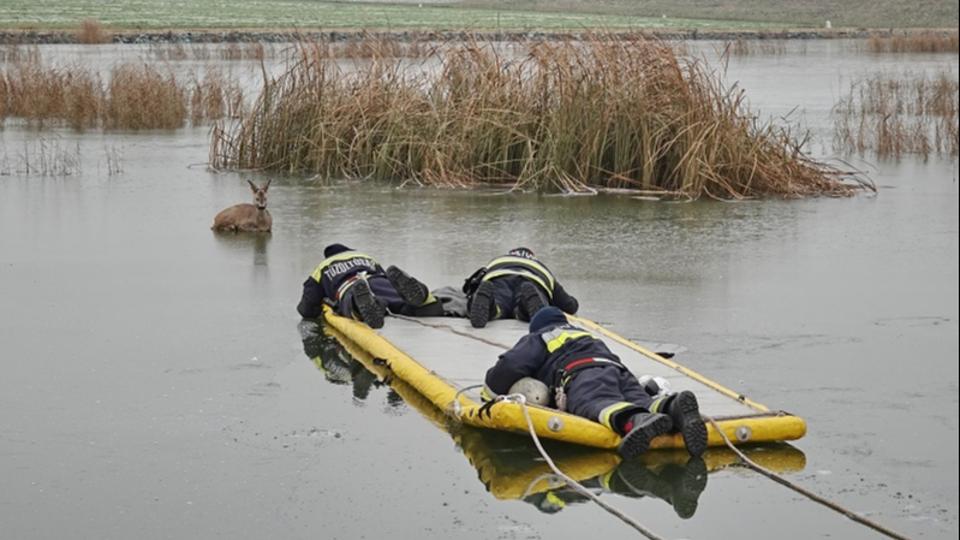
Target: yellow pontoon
[{"x": 442, "y": 358}]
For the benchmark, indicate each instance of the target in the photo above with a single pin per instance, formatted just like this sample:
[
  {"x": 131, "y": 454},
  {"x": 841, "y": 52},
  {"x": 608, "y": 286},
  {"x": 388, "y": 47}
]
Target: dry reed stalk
[
  {"x": 91, "y": 32},
  {"x": 569, "y": 116},
  {"x": 4, "y": 97},
  {"x": 44, "y": 157}
]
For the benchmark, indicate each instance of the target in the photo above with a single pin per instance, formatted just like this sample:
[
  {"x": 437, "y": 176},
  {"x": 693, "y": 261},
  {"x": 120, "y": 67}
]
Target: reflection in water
[
  {"x": 334, "y": 361},
  {"x": 510, "y": 466},
  {"x": 680, "y": 485},
  {"x": 244, "y": 242}
]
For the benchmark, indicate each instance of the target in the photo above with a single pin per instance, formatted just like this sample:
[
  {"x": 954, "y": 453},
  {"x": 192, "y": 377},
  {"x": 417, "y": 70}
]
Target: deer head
[{"x": 260, "y": 194}]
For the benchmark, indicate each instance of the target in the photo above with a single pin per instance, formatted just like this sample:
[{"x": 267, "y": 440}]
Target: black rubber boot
[
  {"x": 371, "y": 311},
  {"x": 530, "y": 298},
  {"x": 481, "y": 306},
  {"x": 411, "y": 289},
  {"x": 643, "y": 428},
  {"x": 684, "y": 410}
]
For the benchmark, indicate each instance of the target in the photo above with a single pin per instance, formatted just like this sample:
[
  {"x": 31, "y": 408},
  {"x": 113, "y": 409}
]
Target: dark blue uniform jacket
[
  {"x": 329, "y": 276},
  {"x": 542, "y": 354}
]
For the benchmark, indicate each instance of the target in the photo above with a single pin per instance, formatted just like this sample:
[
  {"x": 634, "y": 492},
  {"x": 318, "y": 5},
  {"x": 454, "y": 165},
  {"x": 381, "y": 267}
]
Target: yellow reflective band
[
  {"x": 557, "y": 340},
  {"x": 486, "y": 394},
  {"x": 522, "y": 261},
  {"x": 518, "y": 272},
  {"x": 655, "y": 406},
  {"x": 317, "y": 274},
  {"x": 609, "y": 411},
  {"x": 554, "y": 500},
  {"x": 606, "y": 479}
]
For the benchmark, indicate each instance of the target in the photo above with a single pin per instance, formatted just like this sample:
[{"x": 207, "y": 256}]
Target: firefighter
[
  {"x": 356, "y": 286},
  {"x": 588, "y": 380},
  {"x": 514, "y": 286}
]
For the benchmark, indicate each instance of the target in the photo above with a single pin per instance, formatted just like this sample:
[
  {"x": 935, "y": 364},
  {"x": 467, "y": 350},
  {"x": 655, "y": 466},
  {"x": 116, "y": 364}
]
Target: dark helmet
[
  {"x": 547, "y": 316},
  {"x": 522, "y": 252},
  {"x": 334, "y": 249}
]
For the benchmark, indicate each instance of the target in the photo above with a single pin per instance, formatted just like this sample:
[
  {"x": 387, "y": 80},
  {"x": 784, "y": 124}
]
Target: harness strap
[
  {"x": 566, "y": 373},
  {"x": 347, "y": 283}
]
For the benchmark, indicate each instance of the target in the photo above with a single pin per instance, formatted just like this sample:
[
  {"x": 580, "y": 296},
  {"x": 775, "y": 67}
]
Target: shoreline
[{"x": 51, "y": 37}]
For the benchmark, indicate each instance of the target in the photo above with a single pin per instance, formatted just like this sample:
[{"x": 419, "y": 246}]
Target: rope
[
  {"x": 809, "y": 494},
  {"x": 519, "y": 398}
]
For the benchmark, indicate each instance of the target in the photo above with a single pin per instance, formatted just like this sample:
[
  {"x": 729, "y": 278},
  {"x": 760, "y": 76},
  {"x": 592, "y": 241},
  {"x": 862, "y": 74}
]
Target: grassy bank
[
  {"x": 552, "y": 15},
  {"x": 848, "y": 13},
  {"x": 249, "y": 14},
  {"x": 583, "y": 116}
]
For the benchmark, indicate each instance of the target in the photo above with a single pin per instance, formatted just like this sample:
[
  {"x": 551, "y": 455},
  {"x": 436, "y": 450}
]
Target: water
[{"x": 155, "y": 384}]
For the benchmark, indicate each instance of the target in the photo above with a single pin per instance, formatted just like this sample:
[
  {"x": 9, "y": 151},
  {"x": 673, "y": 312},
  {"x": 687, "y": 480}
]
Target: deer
[{"x": 246, "y": 217}]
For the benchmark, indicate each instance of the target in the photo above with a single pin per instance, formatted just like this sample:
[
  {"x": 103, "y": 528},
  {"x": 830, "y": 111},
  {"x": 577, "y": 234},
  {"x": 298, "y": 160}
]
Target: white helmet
[{"x": 533, "y": 390}]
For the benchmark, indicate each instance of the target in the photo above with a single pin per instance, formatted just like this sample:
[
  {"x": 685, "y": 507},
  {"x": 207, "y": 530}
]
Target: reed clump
[
  {"x": 376, "y": 47},
  {"x": 141, "y": 97},
  {"x": 135, "y": 96},
  {"x": 753, "y": 47},
  {"x": 243, "y": 51},
  {"x": 58, "y": 95},
  {"x": 14, "y": 53},
  {"x": 215, "y": 97},
  {"x": 91, "y": 32},
  {"x": 916, "y": 42},
  {"x": 173, "y": 52},
  {"x": 577, "y": 116},
  {"x": 892, "y": 115}
]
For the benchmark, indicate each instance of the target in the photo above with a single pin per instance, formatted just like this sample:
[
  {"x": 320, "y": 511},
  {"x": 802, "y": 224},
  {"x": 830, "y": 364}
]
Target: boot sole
[
  {"x": 690, "y": 423},
  {"x": 638, "y": 441},
  {"x": 411, "y": 290},
  {"x": 371, "y": 312},
  {"x": 532, "y": 302},
  {"x": 481, "y": 304}
]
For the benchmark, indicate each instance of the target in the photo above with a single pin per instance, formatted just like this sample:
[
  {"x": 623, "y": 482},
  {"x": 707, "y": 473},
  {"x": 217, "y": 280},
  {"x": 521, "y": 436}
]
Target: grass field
[
  {"x": 847, "y": 13},
  {"x": 164, "y": 14}
]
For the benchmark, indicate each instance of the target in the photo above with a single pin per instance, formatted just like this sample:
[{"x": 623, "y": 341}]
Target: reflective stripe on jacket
[
  {"x": 544, "y": 354},
  {"x": 336, "y": 271},
  {"x": 532, "y": 269}
]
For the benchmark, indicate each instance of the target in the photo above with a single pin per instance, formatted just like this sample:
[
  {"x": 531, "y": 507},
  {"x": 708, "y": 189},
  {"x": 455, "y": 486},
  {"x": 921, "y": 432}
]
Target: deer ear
[
  {"x": 267, "y": 185},
  {"x": 252, "y": 185}
]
